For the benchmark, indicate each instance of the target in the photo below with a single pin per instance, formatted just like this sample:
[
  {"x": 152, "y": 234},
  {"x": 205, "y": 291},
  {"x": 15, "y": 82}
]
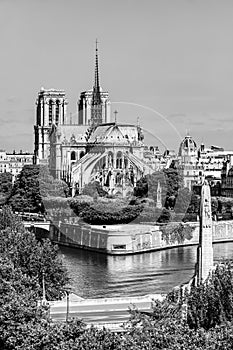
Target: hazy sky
[{"x": 171, "y": 56}]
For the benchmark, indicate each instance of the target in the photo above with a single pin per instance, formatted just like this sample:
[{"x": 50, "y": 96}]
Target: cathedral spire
[
  {"x": 96, "y": 85},
  {"x": 96, "y": 104}
]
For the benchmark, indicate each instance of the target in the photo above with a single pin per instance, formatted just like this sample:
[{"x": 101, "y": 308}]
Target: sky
[{"x": 167, "y": 62}]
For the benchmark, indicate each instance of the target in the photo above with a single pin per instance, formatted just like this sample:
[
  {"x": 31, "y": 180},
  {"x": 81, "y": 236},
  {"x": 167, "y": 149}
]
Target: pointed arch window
[
  {"x": 119, "y": 160},
  {"x": 50, "y": 112},
  {"x": 82, "y": 153},
  {"x": 57, "y": 113},
  {"x": 73, "y": 155}
]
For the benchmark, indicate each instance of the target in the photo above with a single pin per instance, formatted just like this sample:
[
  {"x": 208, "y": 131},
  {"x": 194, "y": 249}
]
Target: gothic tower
[
  {"x": 51, "y": 108},
  {"x": 94, "y": 105}
]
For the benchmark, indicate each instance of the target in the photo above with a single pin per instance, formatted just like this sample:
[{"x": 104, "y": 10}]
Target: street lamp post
[
  {"x": 43, "y": 287},
  {"x": 67, "y": 305}
]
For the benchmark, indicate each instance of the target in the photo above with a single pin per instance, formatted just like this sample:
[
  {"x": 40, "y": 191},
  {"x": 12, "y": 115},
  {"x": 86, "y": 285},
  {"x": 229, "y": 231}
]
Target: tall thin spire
[
  {"x": 96, "y": 105},
  {"x": 97, "y": 85}
]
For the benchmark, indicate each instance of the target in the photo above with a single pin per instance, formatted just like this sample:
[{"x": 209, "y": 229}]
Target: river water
[{"x": 95, "y": 275}]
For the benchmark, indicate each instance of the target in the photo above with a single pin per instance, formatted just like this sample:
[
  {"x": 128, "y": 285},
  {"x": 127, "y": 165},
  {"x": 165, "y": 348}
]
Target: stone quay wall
[{"x": 129, "y": 239}]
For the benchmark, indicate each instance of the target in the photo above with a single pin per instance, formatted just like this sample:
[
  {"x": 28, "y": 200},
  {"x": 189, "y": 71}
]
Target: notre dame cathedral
[{"x": 89, "y": 147}]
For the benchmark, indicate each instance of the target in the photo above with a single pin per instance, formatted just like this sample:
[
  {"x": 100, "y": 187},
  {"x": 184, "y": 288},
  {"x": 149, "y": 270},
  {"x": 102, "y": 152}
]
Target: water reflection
[{"x": 97, "y": 275}]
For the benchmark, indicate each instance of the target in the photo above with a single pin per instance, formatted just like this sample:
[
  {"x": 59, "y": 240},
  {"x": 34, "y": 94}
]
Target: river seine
[{"x": 95, "y": 275}]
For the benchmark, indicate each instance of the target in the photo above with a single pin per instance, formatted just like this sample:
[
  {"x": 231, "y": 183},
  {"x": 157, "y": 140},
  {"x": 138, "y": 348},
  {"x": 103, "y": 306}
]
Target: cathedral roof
[
  {"x": 73, "y": 132},
  {"x": 114, "y": 133}
]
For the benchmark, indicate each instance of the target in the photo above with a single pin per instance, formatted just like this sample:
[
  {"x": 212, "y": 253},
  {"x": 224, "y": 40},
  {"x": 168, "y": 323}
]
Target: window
[
  {"x": 57, "y": 113},
  {"x": 119, "y": 246},
  {"x": 81, "y": 154},
  {"x": 73, "y": 156},
  {"x": 50, "y": 112}
]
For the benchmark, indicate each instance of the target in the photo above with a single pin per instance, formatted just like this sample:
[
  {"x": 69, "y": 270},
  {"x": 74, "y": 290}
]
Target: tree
[
  {"x": 174, "y": 181},
  {"x": 50, "y": 187},
  {"x": 194, "y": 205},
  {"x": 214, "y": 205},
  {"x": 171, "y": 183},
  {"x": 141, "y": 188},
  {"x": 164, "y": 216},
  {"x": 9, "y": 220},
  {"x": 94, "y": 189},
  {"x": 211, "y": 303},
  {"x": 5, "y": 187},
  {"x": 5, "y": 183},
  {"x": 25, "y": 195},
  {"x": 33, "y": 184},
  {"x": 34, "y": 258},
  {"x": 183, "y": 200},
  {"x": 18, "y": 306},
  {"x": 23, "y": 261}
]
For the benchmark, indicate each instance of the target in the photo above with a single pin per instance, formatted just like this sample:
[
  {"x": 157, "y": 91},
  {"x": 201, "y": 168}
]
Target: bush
[
  {"x": 211, "y": 303},
  {"x": 106, "y": 214},
  {"x": 176, "y": 233},
  {"x": 94, "y": 189},
  {"x": 165, "y": 216},
  {"x": 80, "y": 204},
  {"x": 55, "y": 202},
  {"x": 190, "y": 217},
  {"x": 148, "y": 214}
]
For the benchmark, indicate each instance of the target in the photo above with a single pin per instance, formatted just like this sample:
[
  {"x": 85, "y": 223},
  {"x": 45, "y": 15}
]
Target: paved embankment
[{"x": 101, "y": 312}]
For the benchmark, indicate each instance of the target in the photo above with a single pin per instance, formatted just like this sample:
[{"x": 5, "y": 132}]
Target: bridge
[{"x": 43, "y": 225}]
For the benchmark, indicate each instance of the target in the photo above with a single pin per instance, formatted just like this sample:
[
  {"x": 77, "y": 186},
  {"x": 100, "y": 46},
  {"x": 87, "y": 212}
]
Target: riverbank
[{"x": 129, "y": 239}]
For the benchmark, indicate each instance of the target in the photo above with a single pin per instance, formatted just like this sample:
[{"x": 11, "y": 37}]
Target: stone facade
[
  {"x": 187, "y": 162},
  {"x": 85, "y": 105},
  {"x": 126, "y": 239},
  {"x": 93, "y": 148},
  {"x": 51, "y": 109},
  {"x": 114, "y": 159},
  {"x": 195, "y": 164},
  {"x": 227, "y": 177},
  {"x": 14, "y": 162}
]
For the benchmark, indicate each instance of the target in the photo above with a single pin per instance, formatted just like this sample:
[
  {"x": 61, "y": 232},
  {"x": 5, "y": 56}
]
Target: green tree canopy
[
  {"x": 23, "y": 261},
  {"x": 32, "y": 185},
  {"x": 5, "y": 183},
  {"x": 94, "y": 189},
  {"x": 171, "y": 183},
  {"x": 5, "y": 187},
  {"x": 9, "y": 220}
]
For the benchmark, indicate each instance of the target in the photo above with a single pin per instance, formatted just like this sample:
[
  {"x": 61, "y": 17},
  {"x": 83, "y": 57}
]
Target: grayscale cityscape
[{"x": 116, "y": 174}]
